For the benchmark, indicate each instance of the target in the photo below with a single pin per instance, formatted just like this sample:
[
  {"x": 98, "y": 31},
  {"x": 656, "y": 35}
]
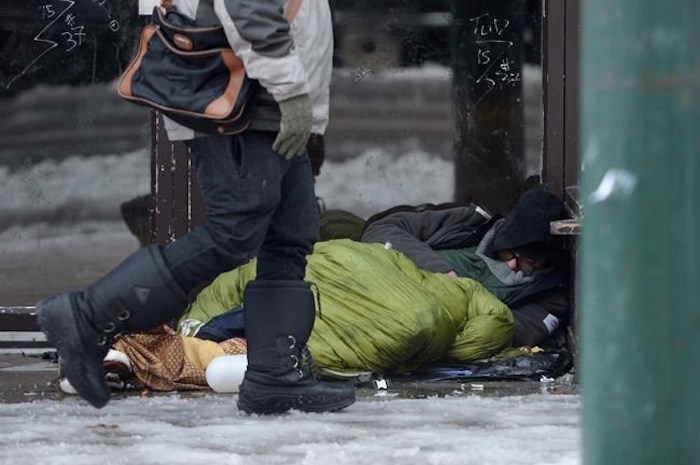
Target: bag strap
[{"x": 292, "y": 8}]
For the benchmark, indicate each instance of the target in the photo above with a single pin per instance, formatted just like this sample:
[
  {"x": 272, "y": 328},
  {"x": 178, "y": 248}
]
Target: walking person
[{"x": 260, "y": 202}]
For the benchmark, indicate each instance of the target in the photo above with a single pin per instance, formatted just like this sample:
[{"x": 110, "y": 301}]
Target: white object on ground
[
  {"x": 113, "y": 356},
  {"x": 119, "y": 357},
  {"x": 66, "y": 387},
  {"x": 225, "y": 373}
]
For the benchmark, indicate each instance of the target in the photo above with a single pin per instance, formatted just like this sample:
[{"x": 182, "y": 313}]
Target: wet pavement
[
  {"x": 465, "y": 423},
  {"x": 33, "y": 375},
  {"x": 26, "y": 377}
]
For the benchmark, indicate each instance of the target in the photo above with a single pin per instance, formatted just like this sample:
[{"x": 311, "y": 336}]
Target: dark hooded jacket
[
  {"x": 526, "y": 228},
  {"x": 427, "y": 233}
]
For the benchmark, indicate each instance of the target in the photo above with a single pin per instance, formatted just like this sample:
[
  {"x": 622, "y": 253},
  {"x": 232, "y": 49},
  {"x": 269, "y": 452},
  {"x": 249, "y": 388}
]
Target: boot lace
[
  {"x": 111, "y": 330},
  {"x": 304, "y": 363},
  {"x": 298, "y": 359}
]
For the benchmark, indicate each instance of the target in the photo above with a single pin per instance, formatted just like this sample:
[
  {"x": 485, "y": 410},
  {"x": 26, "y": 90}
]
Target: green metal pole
[{"x": 640, "y": 249}]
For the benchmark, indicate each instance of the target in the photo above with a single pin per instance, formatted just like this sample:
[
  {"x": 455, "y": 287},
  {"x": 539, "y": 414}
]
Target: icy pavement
[{"x": 463, "y": 427}]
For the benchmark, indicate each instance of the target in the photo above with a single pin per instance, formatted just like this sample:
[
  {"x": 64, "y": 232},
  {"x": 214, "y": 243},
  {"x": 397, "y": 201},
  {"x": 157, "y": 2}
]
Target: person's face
[{"x": 516, "y": 262}]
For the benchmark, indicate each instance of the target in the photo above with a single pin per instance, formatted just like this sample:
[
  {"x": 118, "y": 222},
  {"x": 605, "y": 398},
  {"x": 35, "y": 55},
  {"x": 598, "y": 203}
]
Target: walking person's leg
[
  {"x": 151, "y": 286},
  {"x": 279, "y": 310},
  {"x": 239, "y": 183},
  {"x": 243, "y": 183}
]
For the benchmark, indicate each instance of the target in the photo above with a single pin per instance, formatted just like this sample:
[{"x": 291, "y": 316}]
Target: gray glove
[{"x": 295, "y": 126}]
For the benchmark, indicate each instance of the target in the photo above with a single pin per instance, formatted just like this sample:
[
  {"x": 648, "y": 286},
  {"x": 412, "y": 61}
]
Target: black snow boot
[
  {"x": 279, "y": 316},
  {"x": 137, "y": 295}
]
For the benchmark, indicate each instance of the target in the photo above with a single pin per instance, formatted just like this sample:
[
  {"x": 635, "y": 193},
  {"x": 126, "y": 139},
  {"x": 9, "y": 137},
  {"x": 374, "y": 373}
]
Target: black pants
[{"x": 257, "y": 204}]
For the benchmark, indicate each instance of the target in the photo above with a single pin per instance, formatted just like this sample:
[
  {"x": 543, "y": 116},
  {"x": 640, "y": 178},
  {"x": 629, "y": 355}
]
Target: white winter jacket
[{"x": 287, "y": 61}]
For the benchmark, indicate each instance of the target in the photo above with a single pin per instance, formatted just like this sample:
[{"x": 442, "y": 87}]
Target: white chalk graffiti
[
  {"x": 47, "y": 11},
  {"x": 485, "y": 25},
  {"x": 494, "y": 66},
  {"x": 63, "y": 16}
]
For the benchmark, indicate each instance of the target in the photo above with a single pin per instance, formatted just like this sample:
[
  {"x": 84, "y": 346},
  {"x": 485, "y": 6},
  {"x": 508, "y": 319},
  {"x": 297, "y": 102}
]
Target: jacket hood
[{"x": 526, "y": 228}]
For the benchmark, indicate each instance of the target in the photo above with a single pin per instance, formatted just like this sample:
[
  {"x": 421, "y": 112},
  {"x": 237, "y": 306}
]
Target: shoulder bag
[{"x": 190, "y": 73}]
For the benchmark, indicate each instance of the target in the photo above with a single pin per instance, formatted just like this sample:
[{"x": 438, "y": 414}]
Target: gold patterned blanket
[{"x": 163, "y": 360}]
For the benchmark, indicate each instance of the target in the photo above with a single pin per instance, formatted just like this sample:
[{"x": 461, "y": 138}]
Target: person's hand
[
  {"x": 295, "y": 126},
  {"x": 452, "y": 274}
]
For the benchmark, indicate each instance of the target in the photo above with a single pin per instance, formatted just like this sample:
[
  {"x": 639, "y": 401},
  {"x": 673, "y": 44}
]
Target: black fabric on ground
[
  {"x": 551, "y": 364},
  {"x": 555, "y": 359}
]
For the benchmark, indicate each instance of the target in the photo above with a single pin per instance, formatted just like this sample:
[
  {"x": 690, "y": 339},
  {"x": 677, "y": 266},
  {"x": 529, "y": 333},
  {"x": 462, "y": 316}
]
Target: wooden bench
[{"x": 19, "y": 331}]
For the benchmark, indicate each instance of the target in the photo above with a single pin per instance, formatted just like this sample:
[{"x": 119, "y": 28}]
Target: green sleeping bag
[{"x": 377, "y": 312}]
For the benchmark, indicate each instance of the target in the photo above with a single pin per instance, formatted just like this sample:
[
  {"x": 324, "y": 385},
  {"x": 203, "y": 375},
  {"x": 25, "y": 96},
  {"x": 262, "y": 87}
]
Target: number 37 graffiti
[
  {"x": 63, "y": 14},
  {"x": 63, "y": 30}
]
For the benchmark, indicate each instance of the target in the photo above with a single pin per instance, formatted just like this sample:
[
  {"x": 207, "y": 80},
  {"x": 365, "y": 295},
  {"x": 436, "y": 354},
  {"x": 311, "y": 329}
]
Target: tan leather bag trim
[
  {"x": 183, "y": 42},
  {"x": 291, "y": 12},
  {"x": 176, "y": 50},
  {"x": 222, "y": 106},
  {"x": 292, "y": 9},
  {"x": 233, "y": 63},
  {"x": 172, "y": 27},
  {"x": 124, "y": 88}
]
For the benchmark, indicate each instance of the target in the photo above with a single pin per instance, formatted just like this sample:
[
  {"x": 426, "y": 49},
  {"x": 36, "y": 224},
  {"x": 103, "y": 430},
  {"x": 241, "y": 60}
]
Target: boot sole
[
  {"x": 281, "y": 399},
  {"x": 56, "y": 319}
]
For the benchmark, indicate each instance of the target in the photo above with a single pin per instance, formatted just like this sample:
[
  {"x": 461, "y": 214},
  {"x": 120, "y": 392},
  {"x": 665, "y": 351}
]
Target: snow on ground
[
  {"x": 40, "y": 260},
  {"x": 81, "y": 189},
  {"x": 377, "y": 180},
  {"x": 540, "y": 429},
  {"x": 60, "y": 229},
  {"x": 60, "y": 226},
  {"x": 74, "y": 189}
]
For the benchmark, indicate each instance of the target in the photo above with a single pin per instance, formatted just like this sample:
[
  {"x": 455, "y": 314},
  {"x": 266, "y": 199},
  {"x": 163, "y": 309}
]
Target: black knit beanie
[{"x": 526, "y": 228}]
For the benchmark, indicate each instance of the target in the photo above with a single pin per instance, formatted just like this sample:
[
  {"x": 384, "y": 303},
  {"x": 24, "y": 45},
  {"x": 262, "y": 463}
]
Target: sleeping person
[
  {"x": 427, "y": 284},
  {"x": 516, "y": 258}
]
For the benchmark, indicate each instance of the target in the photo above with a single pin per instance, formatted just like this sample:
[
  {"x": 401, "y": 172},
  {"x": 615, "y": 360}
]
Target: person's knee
[
  {"x": 242, "y": 230},
  {"x": 234, "y": 239}
]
